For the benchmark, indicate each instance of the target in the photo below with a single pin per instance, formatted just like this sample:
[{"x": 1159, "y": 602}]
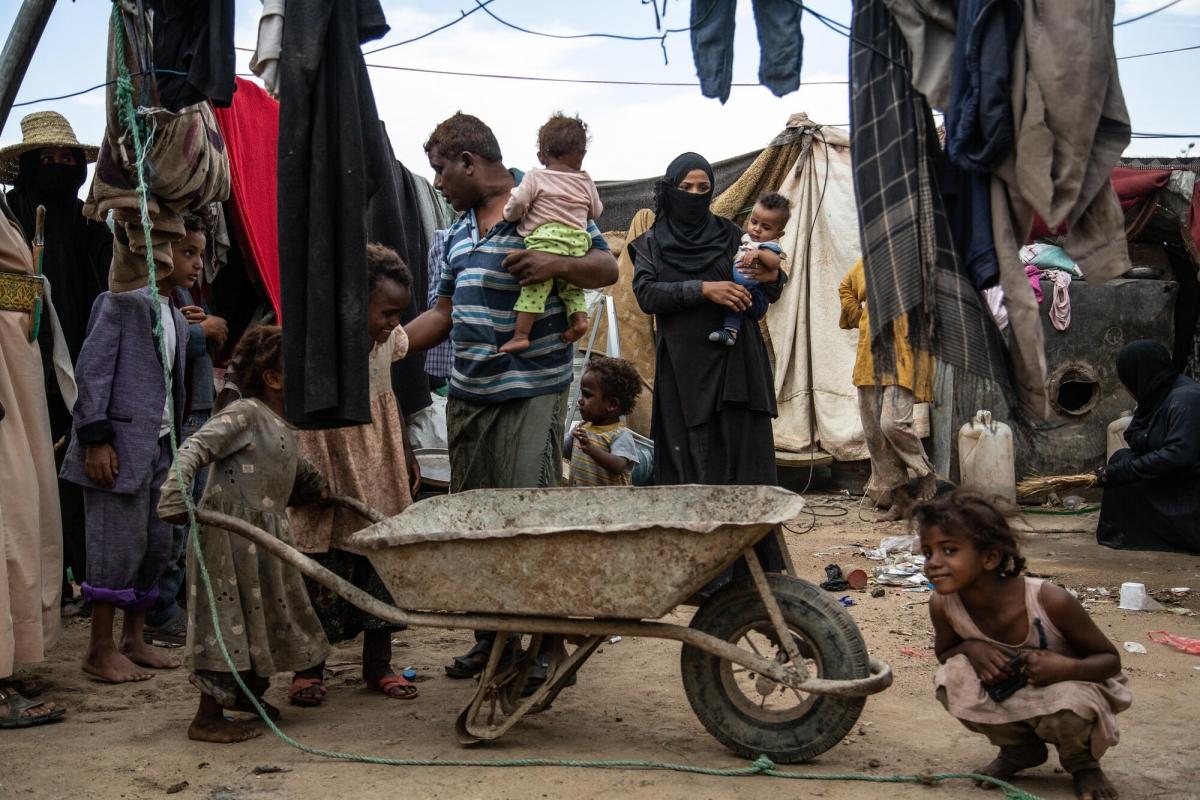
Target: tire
[{"x": 830, "y": 644}]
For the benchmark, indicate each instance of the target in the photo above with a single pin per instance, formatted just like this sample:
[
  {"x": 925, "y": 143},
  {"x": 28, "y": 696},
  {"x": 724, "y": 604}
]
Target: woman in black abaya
[
  {"x": 1152, "y": 488},
  {"x": 713, "y": 404}
]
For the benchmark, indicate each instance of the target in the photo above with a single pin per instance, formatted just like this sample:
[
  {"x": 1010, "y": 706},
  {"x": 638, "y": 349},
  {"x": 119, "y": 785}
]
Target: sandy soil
[{"x": 129, "y": 741}]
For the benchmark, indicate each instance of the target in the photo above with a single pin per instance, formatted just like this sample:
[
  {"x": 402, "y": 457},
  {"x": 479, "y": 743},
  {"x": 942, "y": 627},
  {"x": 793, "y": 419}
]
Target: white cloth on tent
[{"x": 804, "y": 321}]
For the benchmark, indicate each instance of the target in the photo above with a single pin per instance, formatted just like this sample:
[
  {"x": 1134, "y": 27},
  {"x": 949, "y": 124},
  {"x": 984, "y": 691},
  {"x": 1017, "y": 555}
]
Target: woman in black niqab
[
  {"x": 713, "y": 405},
  {"x": 75, "y": 261},
  {"x": 1152, "y": 488}
]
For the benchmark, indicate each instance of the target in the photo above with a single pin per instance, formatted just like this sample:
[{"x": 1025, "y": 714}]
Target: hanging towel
[
  {"x": 251, "y": 130},
  {"x": 1060, "y": 307}
]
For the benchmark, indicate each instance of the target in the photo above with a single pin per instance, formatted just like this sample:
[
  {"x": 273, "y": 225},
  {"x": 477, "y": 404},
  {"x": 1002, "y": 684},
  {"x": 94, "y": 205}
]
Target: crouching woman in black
[{"x": 1152, "y": 488}]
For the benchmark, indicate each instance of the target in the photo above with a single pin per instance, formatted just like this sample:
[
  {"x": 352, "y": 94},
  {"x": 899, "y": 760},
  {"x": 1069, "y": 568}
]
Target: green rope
[{"x": 760, "y": 766}]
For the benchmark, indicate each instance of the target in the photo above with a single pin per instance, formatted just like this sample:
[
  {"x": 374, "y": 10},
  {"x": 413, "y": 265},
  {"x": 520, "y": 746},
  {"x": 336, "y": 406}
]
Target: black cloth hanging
[
  {"x": 330, "y": 164},
  {"x": 394, "y": 219},
  {"x": 193, "y": 37}
]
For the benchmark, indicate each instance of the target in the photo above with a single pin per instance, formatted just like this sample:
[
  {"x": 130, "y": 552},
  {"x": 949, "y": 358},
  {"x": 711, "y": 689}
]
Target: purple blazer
[{"x": 121, "y": 388}]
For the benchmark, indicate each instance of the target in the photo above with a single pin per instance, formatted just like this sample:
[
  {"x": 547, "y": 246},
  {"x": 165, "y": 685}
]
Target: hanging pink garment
[
  {"x": 1035, "y": 280},
  {"x": 1060, "y": 306}
]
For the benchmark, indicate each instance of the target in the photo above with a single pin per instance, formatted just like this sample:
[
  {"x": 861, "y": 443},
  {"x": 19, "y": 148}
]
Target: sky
[{"x": 636, "y": 130}]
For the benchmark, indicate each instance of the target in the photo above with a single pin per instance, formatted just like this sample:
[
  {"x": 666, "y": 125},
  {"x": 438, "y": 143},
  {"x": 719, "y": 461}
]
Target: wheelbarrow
[{"x": 771, "y": 665}]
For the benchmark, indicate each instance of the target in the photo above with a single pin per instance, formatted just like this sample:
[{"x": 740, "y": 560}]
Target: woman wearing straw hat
[{"x": 48, "y": 168}]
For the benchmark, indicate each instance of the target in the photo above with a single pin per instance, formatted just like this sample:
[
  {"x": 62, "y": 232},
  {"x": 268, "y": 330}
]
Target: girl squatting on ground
[{"x": 1022, "y": 662}]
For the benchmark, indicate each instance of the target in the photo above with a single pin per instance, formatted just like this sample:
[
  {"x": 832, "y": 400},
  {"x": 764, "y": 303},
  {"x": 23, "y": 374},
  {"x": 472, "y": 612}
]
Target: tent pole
[{"x": 18, "y": 50}]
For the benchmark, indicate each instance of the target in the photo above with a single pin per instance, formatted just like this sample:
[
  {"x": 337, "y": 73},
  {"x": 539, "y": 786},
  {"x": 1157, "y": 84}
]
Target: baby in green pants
[{"x": 552, "y": 207}]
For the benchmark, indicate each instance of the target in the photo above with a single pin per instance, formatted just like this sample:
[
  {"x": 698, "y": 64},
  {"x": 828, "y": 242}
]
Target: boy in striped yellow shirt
[{"x": 601, "y": 449}]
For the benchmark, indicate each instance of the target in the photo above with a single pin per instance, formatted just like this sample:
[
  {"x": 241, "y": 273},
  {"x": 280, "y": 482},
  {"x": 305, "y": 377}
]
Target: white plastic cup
[{"x": 1133, "y": 596}]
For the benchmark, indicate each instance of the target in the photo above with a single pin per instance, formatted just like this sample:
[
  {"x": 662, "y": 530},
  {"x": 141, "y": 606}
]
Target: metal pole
[{"x": 18, "y": 50}]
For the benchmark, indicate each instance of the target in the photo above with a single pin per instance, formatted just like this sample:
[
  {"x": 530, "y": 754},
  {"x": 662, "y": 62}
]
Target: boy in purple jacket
[{"x": 120, "y": 453}]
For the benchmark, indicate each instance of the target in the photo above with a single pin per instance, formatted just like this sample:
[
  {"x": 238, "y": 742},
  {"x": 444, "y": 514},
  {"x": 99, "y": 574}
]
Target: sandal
[
  {"x": 18, "y": 705},
  {"x": 172, "y": 632},
  {"x": 397, "y": 687},
  {"x": 300, "y": 685},
  {"x": 475, "y": 660}
]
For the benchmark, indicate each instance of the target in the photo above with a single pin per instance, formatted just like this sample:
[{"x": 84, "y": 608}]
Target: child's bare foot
[
  {"x": 1093, "y": 784},
  {"x": 516, "y": 344},
  {"x": 113, "y": 667},
  {"x": 1010, "y": 761},
  {"x": 577, "y": 326},
  {"x": 220, "y": 731},
  {"x": 143, "y": 654}
]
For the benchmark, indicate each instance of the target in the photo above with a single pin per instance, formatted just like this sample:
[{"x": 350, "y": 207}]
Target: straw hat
[{"x": 41, "y": 129}]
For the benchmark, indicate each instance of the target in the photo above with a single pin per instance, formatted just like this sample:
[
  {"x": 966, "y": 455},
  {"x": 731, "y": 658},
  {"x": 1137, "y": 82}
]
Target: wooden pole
[{"x": 18, "y": 50}]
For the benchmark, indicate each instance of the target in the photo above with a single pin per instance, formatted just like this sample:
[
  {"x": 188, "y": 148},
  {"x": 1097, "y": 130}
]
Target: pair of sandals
[
  {"x": 301, "y": 692},
  {"x": 20, "y": 697}
]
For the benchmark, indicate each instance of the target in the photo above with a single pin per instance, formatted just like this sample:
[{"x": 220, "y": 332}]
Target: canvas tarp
[{"x": 814, "y": 359}]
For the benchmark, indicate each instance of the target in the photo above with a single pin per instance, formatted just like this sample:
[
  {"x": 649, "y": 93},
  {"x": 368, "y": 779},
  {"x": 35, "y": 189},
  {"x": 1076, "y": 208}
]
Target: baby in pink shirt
[{"x": 553, "y": 206}]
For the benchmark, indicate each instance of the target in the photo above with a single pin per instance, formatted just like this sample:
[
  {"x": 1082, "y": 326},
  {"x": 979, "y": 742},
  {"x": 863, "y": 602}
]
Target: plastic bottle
[
  {"x": 1116, "y": 433},
  {"x": 985, "y": 457}
]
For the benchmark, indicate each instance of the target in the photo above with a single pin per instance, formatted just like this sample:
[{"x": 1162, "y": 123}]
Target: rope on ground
[{"x": 760, "y": 766}]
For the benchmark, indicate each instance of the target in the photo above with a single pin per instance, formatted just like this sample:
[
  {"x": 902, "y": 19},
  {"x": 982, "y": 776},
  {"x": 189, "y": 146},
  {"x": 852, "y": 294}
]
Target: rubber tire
[{"x": 826, "y": 626}]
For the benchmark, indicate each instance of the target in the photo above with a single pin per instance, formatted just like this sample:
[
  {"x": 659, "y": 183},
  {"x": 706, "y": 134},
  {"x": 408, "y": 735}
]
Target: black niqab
[{"x": 689, "y": 235}]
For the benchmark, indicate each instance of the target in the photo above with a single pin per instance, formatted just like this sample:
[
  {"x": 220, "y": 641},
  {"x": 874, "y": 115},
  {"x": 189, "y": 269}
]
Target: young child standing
[
  {"x": 372, "y": 463},
  {"x": 1022, "y": 662},
  {"x": 601, "y": 449},
  {"x": 119, "y": 453},
  {"x": 261, "y": 603},
  {"x": 760, "y": 249},
  {"x": 553, "y": 206}
]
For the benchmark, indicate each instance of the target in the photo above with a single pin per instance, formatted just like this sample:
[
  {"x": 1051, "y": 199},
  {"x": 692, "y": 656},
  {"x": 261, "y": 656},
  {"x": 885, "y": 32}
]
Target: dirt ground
[{"x": 130, "y": 742}]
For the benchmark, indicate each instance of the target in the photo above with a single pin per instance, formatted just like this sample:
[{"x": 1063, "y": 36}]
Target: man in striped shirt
[{"x": 506, "y": 411}]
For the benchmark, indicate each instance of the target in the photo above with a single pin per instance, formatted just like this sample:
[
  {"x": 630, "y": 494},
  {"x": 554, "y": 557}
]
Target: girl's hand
[
  {"x": 990, "y": 663},
  {"x": 1045, "y": 667},
  {"x": 726, "y": 293}
]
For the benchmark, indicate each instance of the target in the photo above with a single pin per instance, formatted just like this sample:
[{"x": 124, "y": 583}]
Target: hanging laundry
[
  {"x": 193, "y": 37},
  {"x": 1048, "y": 256},
  {"x": 909, "y": 257},
  {"x": 330, "y": 164},
  {"x": 394, "y": 219},
  {"x": 780, "y": 42},
  {"x": 186, "y": 166},
  {"x": 1060, "y": 306},
  {"x": 265, "y": 61},
  {"x": 251, "y": 130},
  {"x": 1035, "y": 281},
  {"x": 994, "y": 296},
  {"x": 979, "y": 127}
]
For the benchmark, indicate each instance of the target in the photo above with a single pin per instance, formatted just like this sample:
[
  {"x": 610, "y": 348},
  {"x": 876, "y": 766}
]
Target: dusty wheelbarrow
[{"x": 771, "y": 665}]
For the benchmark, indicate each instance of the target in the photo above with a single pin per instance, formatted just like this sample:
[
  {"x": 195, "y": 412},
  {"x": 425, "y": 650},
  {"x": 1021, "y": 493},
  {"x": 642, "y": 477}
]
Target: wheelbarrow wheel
[{"x": 752, "y": 715}]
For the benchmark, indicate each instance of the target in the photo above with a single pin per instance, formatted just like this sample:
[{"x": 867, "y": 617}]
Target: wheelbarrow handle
[{"x": 357, "y": 506}]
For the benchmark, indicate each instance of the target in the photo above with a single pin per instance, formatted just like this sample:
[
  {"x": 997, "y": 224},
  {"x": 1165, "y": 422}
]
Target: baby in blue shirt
[{"x": 760, "y": 243}]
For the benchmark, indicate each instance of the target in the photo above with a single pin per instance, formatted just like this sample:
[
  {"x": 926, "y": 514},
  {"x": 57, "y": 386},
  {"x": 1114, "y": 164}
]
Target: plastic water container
[
  {"x": 1116, "y": 433},
  {"x": 985, "y": 457}
]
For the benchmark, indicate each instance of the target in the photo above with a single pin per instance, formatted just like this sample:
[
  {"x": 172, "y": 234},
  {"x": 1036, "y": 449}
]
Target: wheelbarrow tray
[{"x": 613, "y": 552}]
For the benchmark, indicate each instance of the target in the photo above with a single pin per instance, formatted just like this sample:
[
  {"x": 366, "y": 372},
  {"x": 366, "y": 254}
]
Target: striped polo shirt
[{"x": 483, "y": 294}]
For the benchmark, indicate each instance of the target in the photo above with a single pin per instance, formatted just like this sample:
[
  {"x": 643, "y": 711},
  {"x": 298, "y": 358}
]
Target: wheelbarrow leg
[
  {"x": 789, "y": 568},
  {"x": 774, "y": 612}
]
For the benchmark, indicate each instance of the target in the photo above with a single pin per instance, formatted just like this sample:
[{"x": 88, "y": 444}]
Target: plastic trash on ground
[
  {"x": 1135, "y": 598},
  {"x": 1184, "y": 643},
  {"x": 1135, "y": 648}
]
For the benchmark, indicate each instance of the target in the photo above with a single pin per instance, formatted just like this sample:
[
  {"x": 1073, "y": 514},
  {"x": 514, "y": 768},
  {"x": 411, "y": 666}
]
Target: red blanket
[{"x": 251, "y": 130}]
